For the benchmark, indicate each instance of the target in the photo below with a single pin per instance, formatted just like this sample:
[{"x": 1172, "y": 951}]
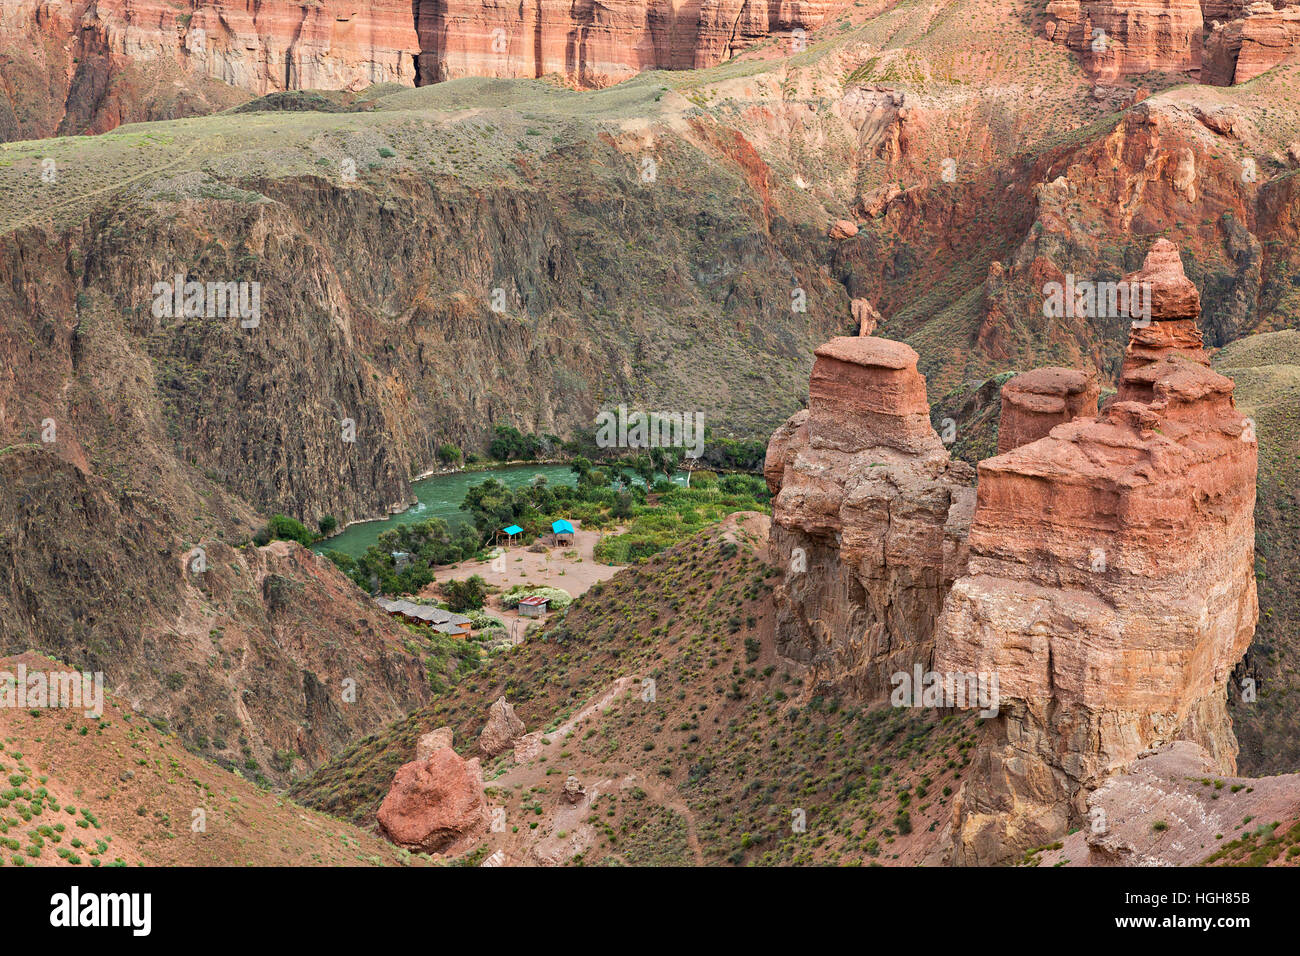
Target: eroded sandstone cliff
[
  {"x": 90, "y": 65},
  {"x": 869, "y": 519},
  {"x": 1104, "y": 583}
]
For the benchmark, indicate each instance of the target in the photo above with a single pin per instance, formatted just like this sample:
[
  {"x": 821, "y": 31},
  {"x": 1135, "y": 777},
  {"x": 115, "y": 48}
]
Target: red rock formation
[
  {"x": 1117, "y": 38},
  {"x": 97, "y": 63},
  {"x": 1173, "y": 329},
  {"x": 868, "y": 517},
  {"x": 434, "y": 805},
  {"x": 864, "y": 315},
  {"x": 843, "y": 229},
  {"x": 1035, "y": 402},
  {"x": 1110, "y": 588},
  {"x": 595, "y": 44},
  {"x": 1256, "y": 41},
  {"x": 264, "y": 47},
  {"x": 502, "y": 730}
]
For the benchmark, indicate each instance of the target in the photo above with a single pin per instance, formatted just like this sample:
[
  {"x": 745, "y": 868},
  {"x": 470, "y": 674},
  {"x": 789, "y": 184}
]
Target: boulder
[
  {"x": 432, "y": 741},
  {"x": 843, "y": 229},
  {"x": 502, "y": 729},
  {"x": 435, "y": 805}
]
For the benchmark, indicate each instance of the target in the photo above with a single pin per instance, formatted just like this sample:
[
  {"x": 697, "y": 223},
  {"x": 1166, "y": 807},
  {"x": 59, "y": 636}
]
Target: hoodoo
[
  {"x": 869, "y": 518},
  {"x": 1035, "y": 402},
  {"x": 1104, "y": 570},
  {"x": 1110, "y": 587}
]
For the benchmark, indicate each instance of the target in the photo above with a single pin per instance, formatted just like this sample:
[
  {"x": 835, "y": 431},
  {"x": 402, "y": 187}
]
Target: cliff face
[
  {"x": 226, "y": 645},
  {"x": 1223, "y": 41},
  {"x": 869, "y": 519},
  {"x": 594, "y": 44},
  {"x": 1124, "y": 37},
  {"x": 1258, "y": 39},
  {"x": 90, "y": 65}
]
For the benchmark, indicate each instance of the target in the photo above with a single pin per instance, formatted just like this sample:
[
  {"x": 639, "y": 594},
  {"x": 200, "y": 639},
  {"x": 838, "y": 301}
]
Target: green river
[{"x": 440, "y": 497}]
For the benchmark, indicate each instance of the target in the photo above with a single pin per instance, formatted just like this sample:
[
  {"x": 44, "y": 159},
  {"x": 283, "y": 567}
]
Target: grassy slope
[
  {"x": 128, "y": 791},
  {"x": 718, "y": 763}
]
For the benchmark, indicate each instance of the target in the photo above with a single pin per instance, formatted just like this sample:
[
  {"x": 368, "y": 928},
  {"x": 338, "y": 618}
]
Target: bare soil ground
[{"x": 573, "y": 569}]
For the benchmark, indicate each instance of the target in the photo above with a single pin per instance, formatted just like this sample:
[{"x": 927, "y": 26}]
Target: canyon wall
[
  {"x": 1257, "y": 40},
  {"x": 90, "y": 65},
  {"x": 595, "y": 44},
  {"x": 1222, "y": 41},
  {"x": 1125, "y": 37}
]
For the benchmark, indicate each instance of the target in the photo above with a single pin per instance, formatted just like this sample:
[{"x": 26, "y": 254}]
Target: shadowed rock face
[
  {"x": 868, "y": 519},
  {"x": 1035, "y": 402}
]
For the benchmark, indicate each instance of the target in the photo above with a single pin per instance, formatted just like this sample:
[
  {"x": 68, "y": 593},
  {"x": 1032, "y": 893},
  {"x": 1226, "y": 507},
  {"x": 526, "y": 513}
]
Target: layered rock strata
[
  {"x": 1116, "y": 38},
  {"x": 1035, "y": 402},
  {"x": 595, "y": 45},
  {"x": 869, "y": 518},
  {"x": 1100, "y": 581},
  {"x": 1110, "y": 587},
  {"x": 1258, "y": 40},
  {"x": 1173, "y": 329}
]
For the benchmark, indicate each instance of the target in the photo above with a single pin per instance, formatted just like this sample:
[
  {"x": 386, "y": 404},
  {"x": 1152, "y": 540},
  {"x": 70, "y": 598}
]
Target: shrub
[{"x": 465, "y": 595}]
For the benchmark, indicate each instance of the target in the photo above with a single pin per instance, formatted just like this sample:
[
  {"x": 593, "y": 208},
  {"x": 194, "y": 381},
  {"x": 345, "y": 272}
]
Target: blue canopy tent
[
  {"x": 510, "y": 533},
  {"x": 562, "y": 529}
]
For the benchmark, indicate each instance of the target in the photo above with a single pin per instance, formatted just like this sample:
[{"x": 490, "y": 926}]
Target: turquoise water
[{"x": 440, "y": 497}]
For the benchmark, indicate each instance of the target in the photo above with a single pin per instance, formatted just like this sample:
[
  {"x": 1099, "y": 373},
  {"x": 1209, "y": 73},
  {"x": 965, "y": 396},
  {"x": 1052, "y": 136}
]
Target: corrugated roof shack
[
  {"x": 440, "y": 619},
  {"x": 534, "y": 606},
  {"x": 562, "y": 532}
]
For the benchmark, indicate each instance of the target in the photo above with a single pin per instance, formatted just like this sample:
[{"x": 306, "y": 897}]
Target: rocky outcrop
[
  {"x": 1117, "y": 38},
  {"x": 502, "y": 730},
  {"x": 1258, "y": 40},
  {"x": 864, "y": 315},
  {"x": 1110, "y": 589},
  {"x": 1035, "y": 402},
  {"x": 1174, "y": 807},
  {"x": 1173, "y": 328},
  {"x": 869, "y": 516},
  {"x": 435, "y": 805}
]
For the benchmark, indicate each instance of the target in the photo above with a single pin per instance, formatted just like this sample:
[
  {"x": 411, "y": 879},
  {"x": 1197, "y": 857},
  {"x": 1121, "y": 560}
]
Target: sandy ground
[{"x": 574, "y": 569}]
